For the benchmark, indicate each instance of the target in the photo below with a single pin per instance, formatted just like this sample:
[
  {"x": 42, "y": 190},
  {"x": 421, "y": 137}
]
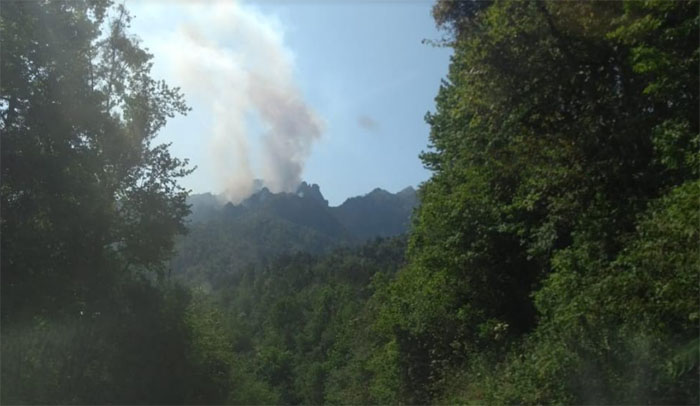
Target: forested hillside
[
  {"x": 224, "y": 238},
  {"x": 553, "y": 256}
]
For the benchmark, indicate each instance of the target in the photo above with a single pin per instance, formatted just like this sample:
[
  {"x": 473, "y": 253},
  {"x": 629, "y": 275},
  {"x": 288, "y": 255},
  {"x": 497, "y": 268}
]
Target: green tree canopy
[
  {"x": 86, "y": 196},
  {"x": 558, "y": 124}
]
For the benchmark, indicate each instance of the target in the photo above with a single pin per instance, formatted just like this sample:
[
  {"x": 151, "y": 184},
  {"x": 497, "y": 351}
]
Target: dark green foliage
[
  {"x": 85, "y": 195},
  {"x": 140, "y": 352},
  {"x": 534, "y": 275},
  {"x": 304, "y": 324},
  {"x": 90, "y": 209},
  {"x": 554, "y": 257}
]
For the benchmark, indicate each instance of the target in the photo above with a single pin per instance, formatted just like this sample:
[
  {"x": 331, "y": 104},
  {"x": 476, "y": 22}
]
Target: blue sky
[{"x": 359, "y": 70}]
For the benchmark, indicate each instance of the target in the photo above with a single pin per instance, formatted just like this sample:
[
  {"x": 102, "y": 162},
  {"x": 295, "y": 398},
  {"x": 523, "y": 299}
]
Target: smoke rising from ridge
[{"x": 234, "y": 59}]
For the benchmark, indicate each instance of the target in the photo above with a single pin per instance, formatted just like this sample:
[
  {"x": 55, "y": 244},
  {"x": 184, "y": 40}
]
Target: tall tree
[
  {"x": 558, "y": 124},
  {"x": 86, "y": 196},
  {"x": 90, "y": 207}
]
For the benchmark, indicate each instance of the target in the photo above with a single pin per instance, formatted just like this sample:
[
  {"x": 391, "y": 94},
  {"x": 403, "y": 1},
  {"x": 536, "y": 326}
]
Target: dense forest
[{"x": 553, "y": 256}]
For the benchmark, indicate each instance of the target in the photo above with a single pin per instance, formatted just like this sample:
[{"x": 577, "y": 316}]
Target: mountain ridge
[
  {"x": 206, "y": 206},
  {"x": 228, "y": 237},
  {"x": 209, "y": 198}
]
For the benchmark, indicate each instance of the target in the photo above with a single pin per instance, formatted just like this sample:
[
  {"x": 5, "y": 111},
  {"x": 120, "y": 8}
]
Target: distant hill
[
  {"x": 224, "y": 237},
  {"x": 377, "y": 214}
]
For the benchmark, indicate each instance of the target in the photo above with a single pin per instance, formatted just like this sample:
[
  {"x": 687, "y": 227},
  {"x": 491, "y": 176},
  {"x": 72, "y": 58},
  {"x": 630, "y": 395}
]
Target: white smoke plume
[{"x": 235, "y": 59}]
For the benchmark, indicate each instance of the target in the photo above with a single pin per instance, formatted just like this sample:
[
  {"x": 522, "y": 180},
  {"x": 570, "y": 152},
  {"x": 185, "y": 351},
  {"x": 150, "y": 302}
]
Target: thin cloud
[{"x": 367, "y": 123}]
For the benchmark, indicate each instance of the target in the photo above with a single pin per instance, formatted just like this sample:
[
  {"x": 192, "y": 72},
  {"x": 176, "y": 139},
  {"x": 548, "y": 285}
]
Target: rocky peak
[{"x": 312, "y": 192}]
